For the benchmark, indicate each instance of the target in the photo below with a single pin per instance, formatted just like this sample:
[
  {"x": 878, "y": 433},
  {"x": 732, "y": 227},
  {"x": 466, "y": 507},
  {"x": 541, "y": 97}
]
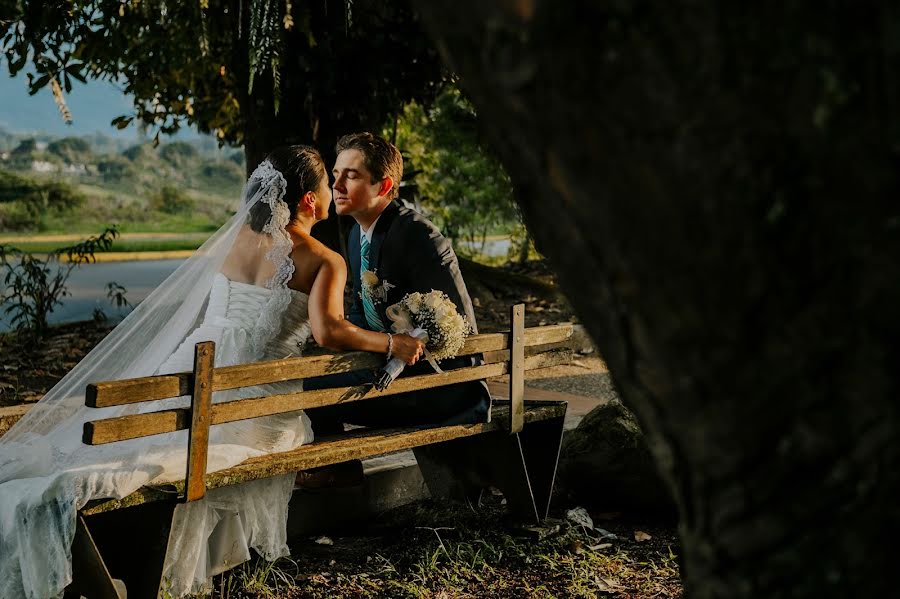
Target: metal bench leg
[
  {"x": 90, "y": 577},
  {"x": 541, "y": 442},
  {"x": 461, "y": 468},
  {"x": 134, "y": 542}
]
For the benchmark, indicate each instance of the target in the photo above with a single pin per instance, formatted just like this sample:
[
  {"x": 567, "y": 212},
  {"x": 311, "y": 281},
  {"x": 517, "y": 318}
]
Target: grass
[
  {"x": 120, "y": 245},
  {"x": 431, "y": 550}
]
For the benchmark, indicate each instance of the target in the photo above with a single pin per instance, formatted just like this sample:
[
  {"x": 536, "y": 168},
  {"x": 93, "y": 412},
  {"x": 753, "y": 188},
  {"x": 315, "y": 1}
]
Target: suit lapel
[
  {"x": 353, "y": 250},
  {"x": 378, "y": 235}
]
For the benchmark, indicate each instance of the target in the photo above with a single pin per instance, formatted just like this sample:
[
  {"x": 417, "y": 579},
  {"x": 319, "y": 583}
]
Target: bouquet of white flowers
[{"x": 431, "y": 317}]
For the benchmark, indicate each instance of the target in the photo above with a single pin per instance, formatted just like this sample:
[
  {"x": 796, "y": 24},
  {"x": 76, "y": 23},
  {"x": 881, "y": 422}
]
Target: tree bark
[{"x": 716, "y": 185}]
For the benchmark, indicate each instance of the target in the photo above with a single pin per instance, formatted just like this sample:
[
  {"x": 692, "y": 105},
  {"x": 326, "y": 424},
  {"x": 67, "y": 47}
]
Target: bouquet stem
[{"x": 395, "y": 366}]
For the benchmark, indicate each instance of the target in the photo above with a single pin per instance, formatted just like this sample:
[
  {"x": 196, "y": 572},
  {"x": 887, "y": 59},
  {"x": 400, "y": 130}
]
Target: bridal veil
[{"x": 47, "y": 474}]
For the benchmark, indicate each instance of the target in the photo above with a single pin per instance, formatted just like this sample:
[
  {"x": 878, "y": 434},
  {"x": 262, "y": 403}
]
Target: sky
[{"x": 93, "y": 105}]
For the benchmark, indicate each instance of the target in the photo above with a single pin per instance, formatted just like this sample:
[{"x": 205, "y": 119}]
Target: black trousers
[{"x": 461, "y": 403}]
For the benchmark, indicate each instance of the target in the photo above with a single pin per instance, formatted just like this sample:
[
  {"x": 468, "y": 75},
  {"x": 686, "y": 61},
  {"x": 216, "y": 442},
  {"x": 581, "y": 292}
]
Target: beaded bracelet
[{"x": 390, "y": 346}]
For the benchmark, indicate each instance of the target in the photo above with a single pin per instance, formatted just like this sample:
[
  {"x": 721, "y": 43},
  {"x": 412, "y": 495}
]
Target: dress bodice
[{"x": 238, "y": 305}]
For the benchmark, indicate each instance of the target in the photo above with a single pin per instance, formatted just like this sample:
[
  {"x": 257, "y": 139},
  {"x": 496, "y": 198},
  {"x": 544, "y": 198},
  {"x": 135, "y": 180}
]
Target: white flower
[
  {"x": 433, "y": 300},
  {"x": 444, "y": 312},
  {"x": 436, "y": 314}
]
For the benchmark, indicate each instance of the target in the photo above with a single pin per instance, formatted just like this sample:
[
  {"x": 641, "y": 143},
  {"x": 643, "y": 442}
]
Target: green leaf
[
  {"x": 120, "y": 122},
  {"x": 40, "y": 83}
]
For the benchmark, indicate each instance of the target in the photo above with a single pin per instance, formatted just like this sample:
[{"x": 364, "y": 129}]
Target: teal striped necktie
[{"x": 368, "y": 307}]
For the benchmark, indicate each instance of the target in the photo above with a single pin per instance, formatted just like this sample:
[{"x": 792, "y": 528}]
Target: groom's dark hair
[
  {"x": 381, "y": 157},
  {"x": 303, "y": 169}
]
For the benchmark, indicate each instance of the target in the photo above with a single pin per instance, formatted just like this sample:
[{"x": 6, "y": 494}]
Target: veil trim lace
[{"x": 272, "y": 187}]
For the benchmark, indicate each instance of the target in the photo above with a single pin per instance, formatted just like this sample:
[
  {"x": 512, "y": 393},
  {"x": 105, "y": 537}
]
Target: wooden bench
[{"x": 516, "y": 452}]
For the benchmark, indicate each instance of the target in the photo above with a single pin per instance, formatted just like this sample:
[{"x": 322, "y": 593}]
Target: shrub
[
  {"x": 136, "y": 152},
  {"x": 115, "y": 169},
  {"x": 237, "y": 158},
  {"x": 34, "y": 287},
  {"x": 223, "y": 172},
  {"x": 14, "y": 216},
  {"x": 59, "y": 196},
  {"x": 27, "y": 201},
  {"x": 171, "y": 200},
  {"x": 26, "y": 148},
  {"x": 178, "y": 153},
  {"x": 14, "y": 187},
  {"x": 73, "y": 150}
]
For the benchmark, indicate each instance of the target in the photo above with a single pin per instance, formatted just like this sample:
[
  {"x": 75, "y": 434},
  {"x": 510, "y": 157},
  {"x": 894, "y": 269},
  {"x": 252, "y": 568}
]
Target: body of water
[
  {"x": 87, "y": 286},
  {"x": 493, "y": 247}
]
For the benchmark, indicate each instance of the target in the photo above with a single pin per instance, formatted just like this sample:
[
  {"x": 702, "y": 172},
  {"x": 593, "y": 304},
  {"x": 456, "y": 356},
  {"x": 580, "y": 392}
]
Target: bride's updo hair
[{"x": 303, "y": 169}]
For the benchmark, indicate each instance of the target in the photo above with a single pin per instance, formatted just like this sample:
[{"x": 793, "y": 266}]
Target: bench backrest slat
[
  {"x": 201, "y": 406},
  {"x": 142, "y": 425},
  {"x": 151, "y": 388},
  {"x": 516, "y": 368}
]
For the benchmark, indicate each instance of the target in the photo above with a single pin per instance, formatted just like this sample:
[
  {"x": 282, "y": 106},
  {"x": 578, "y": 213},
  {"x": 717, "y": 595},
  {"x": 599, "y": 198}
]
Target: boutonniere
[{"x": 373, "y": 288}]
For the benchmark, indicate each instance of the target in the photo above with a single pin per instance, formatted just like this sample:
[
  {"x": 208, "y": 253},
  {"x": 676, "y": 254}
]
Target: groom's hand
[{"x": 407, "y": 348}]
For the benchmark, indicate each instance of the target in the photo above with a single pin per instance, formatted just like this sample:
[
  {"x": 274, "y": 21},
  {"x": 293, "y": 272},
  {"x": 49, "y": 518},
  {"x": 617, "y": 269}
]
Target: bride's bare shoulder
[{"x": 312, "y": 248}]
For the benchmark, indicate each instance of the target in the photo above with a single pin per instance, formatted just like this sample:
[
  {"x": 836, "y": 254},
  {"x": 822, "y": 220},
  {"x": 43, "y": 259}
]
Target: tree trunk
[
  {"x": 329, "y": 86},
  {"x": 716, "y": 185}
]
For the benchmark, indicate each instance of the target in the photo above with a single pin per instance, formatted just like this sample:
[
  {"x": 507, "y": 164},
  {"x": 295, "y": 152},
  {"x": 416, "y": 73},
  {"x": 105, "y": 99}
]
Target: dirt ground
[{"x": 436, "y": 550}]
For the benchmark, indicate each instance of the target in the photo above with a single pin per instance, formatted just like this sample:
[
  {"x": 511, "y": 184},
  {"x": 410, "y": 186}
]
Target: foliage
[
  {"x": 34, "y": 287},
  {"x": 115, "y": 168},
  {"x": 27, "y": 147},
  {"x": 171, "y": 200},
  {"x": 116, "y": 294},
  {"x": 458, "y": 183},
  {"x": 22, "y": 155},
  {"x": 73, "y": 150},
  {"x": 14, "y": 187},
  {"x": 227, "y": 172},
  {"x": 178, "y": 153},
  {"x": 227, "y": 63},
  {"x": 25, "y": 202},
  {"x": 138, "y": 152},
  {"x": 113, "y": 188},
  {"x": 237, "y": 158}
]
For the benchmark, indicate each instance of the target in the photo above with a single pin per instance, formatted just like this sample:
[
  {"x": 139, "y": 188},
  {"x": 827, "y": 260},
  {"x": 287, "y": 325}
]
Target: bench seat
[{"x": 358, "y": 443}]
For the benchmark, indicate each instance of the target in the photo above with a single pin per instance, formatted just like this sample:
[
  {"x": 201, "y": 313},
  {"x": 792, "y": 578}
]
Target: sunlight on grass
[{"x": 469, "y": 556}]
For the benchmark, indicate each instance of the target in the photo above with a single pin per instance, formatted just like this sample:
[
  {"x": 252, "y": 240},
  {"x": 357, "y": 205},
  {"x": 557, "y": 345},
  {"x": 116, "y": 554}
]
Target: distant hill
[{"x": 58, "y": 184}]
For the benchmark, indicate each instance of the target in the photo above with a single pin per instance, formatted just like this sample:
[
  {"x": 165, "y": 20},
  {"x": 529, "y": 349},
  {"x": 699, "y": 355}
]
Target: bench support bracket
[
  {"x": 522, "y": 465},
  {"x": 132, "y": 542}
]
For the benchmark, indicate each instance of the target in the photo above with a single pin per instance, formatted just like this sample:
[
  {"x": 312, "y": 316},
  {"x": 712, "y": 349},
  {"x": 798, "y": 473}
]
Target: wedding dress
[
  {"x": 47, "y": 474},
  {"x": 214, "y": 534}
]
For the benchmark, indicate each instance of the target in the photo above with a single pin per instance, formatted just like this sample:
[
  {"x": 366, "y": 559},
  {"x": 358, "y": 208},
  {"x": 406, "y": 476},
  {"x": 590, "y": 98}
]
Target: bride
[{"x": 259, "y": 287}]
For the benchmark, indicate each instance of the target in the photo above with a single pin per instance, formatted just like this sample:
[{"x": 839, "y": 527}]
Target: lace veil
[{"x": 40, "y": 452}]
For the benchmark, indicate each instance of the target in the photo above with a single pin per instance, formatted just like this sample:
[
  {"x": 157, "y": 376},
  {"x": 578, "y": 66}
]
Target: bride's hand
[{"x": 407, "y": 348}]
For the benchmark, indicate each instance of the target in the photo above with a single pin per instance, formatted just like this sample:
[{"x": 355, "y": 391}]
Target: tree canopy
[
  {"x": 460, "y": 184},
  {"x": 258, "y": 73}
]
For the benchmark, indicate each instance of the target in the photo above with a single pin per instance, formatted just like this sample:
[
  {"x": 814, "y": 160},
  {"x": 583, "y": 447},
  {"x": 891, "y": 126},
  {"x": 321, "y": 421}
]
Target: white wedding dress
[
  {"x": 253, "y": 514},
  {"x": 208, "y": 536}
]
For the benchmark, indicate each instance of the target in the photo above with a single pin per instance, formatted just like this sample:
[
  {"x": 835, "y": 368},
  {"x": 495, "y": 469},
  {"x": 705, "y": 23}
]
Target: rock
[
  {"x": 605, "y": 465},
  {"x": 580, "y": 516}
]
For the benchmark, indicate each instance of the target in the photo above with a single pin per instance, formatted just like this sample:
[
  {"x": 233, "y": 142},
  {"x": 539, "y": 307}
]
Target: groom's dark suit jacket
[{"x": 410, "y": 253}]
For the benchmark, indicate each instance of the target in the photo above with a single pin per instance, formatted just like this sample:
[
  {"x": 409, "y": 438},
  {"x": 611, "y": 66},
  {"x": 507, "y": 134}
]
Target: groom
[{"x": 407, "y": 253}]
